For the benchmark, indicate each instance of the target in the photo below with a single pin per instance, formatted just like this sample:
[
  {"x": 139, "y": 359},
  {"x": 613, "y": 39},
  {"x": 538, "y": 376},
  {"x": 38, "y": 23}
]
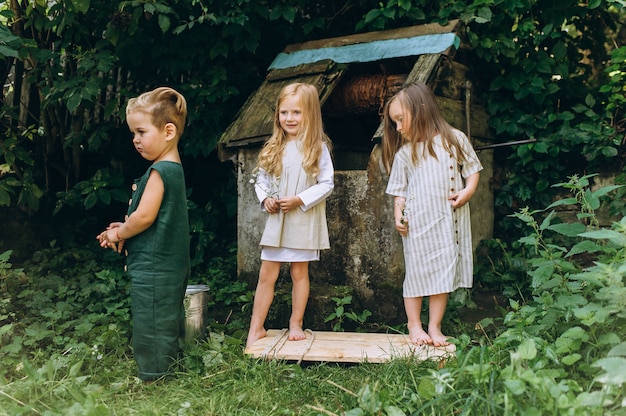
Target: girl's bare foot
[
  {"x": 438, "y": 338},
  {"x": 296, "y": 333},
  {"x": 254, "y": 336},
  {"x": 418, "y": 336}
]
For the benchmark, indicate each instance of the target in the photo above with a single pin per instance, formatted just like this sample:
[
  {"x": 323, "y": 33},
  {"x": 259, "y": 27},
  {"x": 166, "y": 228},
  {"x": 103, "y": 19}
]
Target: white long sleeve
[{"x": 325, "y": 182}]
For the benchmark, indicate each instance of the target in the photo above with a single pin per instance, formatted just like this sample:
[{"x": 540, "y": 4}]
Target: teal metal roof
[{"x": 370, "y": 51}]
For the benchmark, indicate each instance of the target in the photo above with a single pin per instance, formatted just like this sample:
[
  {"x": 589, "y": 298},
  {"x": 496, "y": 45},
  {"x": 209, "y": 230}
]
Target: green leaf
[
  {"x": 4, "y": 329},
  {"x": 5, "y": 198},
  {"x": 618, "y": 350},
  {"x": 564, "y": 201},
  {"x": 584, "y": 247},
  {"x": 613, "y": 236},
  {"x": 542, "y": 273},
  {"x": 571, "y": 359},
  {"x": 4, "y": 52},
  {"x": 568, "y": 229},
  {"x": 605, "y": 190},
  {"x": 527, "y": 349},
  {"x": 593, "y": 4},
  {"x": 426, "y": 389},
  {"x": 541, "y": 147},
  {"x": 164, "y": 22},
  {"x": 484, "y": 15},
  {"x": 75, "y": 369},
  {"x": 592, "y": 313},
  {"x": 30, "y": 371},
  {"x": 559, "y": 50},
  {"x": 104, "y": 196},
  {"x": 594, "y": 399},
  {"x": 81, "y": 6},
  {"x": 528, "y": 240},
  {"x": 517, "y": 387},
  {"x": 609, "y": 151},
  {"x": 546, "y": 222},
  {"x": 275, "y": 13},
  {"x": 592, "y": 201},
  {"x": 73, "y": 101},
  {"x": 394, "y": 411},
  {"x": 91, "y": 200},
  {"x": 575, "y": 333},
  {"x": 614, "y": 370},
  {"x": 289, "y": 14}
]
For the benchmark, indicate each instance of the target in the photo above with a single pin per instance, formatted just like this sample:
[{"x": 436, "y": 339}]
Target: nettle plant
[{"x": 567, "y": 347}]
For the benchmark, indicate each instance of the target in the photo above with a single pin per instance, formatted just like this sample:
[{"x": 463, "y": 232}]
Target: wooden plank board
[{"x": 349, "y": 347}]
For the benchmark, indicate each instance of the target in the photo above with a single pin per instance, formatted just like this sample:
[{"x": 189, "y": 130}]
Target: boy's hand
[{"x": 109, "y": 237}]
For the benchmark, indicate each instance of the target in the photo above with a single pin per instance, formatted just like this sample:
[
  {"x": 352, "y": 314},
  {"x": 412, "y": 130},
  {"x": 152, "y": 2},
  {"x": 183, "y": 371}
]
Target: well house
[{"x": 354, "y": 76}]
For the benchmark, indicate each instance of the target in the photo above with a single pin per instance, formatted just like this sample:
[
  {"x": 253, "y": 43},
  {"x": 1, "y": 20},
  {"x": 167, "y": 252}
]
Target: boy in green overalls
[{"x": 155, "y": 232}]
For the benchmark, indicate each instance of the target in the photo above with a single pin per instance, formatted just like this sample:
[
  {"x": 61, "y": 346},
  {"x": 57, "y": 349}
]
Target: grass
[
  {"x": 229, "y": 384},
  {"x": 64, "y": 350},
  {"x": 218, "y": 379}
]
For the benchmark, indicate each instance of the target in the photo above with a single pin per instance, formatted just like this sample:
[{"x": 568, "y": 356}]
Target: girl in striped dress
[{"x": 434, "y": 172}]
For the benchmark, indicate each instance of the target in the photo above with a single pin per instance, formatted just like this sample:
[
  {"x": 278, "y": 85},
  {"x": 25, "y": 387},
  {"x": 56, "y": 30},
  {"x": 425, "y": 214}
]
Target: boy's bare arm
[{"x": 147, "y": 210}]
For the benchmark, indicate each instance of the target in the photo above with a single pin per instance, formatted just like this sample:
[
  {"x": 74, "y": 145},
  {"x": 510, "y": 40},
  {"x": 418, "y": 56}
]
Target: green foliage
[
  {"x": 554, "y": 96},
  {"x": 341, "y": 315},
  {"x": 56, "y": 306},
  {"x": 560, "y": 350},
  {"x": 552, "y": 72},
  {"x": 103, "y": 187},
  {"x": 572, "y": 326},
  {"x": 230, "y": 300},
  {"x": 17, "y": 172},
  {"x": 587, "y": 199},
  {"x": 501, "y": 267},
  {"x": 617, "y": 205}
]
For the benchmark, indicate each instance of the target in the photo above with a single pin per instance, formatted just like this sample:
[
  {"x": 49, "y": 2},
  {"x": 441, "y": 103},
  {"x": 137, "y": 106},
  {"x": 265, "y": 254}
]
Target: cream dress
[
  {"x": 438, "y": 247},
  {"x": 300, "y": 234}
]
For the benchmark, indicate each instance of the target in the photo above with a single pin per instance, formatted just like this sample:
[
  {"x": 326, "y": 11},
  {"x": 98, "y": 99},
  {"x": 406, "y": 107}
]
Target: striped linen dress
[{"x": 438, "y": 247}]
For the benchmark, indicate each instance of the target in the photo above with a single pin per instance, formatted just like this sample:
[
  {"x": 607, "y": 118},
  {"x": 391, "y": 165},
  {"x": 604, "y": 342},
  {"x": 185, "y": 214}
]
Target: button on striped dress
[{"x": 438, "y": 247}]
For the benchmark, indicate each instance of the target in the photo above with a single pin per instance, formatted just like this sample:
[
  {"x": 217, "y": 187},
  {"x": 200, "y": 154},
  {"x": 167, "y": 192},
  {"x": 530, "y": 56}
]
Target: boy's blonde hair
[
  {"x": 311, "y": 132},
  {"x": 419, "y": 102},
  {"x": 164, "y": 105}
]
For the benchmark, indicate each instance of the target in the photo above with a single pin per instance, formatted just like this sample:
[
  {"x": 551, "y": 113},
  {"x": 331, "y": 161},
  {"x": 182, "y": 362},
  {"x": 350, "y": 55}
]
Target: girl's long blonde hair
[
  {"x": 418, "y": 100},
  {"x": 311, "y": 132}
]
